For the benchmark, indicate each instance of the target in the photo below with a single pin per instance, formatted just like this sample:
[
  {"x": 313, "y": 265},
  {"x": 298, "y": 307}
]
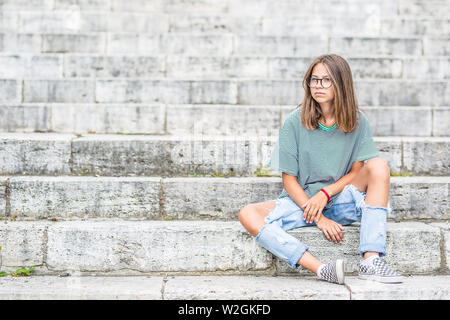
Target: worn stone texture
[
  {"x": 219, "y": 288},
  {"x": 445, "y": 230},
  {"x": 413, "y": 288},
  {"x": 75, "y": 91},
  {"x": 75, "y": 287},
  {"x": 133, "y": 247},
  {"x": 3, "y": 196},
  {"x": 167, "y": 91},
  {"x": 252, "y": 288},
  {"x": 153, "y": 246},
  {"x": 164, "y": 155},
  {"x": 35, "y": 153},
  {"x": 229, "y": 120},
  {"x": 23, "y": 244},
  {"x": 217, "y": 198},
  {"x": 426, "y": 157},
  {"x": 25, "y": 117},
  {"x": 84, "y": 197},
  {"x": 412, "y": 198},
  {"x": 111, "y": 118},
  {"x": 191, "y": 198}
]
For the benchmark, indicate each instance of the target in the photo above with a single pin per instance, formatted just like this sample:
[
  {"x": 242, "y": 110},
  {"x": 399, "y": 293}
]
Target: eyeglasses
[{"x": 324, "y": 83}]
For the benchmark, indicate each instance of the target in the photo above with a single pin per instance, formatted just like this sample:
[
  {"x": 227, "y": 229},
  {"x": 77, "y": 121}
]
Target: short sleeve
[
  {"x": 285, "y": 154},
  {"x": 367, "y": 149}
]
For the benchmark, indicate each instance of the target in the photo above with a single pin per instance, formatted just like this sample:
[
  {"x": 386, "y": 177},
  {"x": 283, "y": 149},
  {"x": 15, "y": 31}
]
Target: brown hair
[{"x": 345, "y": 104}]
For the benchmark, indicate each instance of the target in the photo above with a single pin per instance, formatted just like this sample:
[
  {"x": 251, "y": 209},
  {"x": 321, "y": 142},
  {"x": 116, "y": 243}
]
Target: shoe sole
[
  {"x": 340, "y": 271},
  {"x": 381, "y": 279}
]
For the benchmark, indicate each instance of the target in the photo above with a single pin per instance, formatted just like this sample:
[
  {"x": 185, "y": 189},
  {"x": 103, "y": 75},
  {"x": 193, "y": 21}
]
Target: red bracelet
[{"x": 326, "y": 194}]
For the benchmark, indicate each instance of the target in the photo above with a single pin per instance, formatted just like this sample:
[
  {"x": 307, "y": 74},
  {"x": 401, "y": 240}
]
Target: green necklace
[{"x": 325, "y": 128}]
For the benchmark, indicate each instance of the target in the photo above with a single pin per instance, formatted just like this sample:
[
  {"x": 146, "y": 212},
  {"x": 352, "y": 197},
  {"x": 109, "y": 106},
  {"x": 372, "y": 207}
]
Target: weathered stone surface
[
  {"x": 414, "y": 198},
  {"x": 217, "y": 198},
  {"x": 413, "y": 288},
  {"x": 166, "y": 91},
  {"x": 270, "y": 92},
  {"x": 378, "y": 45},
  {"x": 81, "y": 288},
  {"x": 192, "y": 198},
  {"x": 445, "y": 230},
  {"x": 10, "y": 90},
  {"x": 81, "y": 43},
  {"x": 164, "y": 155},
  {"x": 219, "y": 288},
  {"x": 407, "y": 93},
  {"x": 34, "y": 153},
  {"x": 114, "y": 66},
  {"x": 23, "y": 244},
  {"x": 419, "y": 118},
  {"x": 21, "y": 43},
  {"x": 426, "y": 156},
  {"x": 150, "y": 246},
  {"x": 440, "y": 123},
  {"x": 3, "y": 195},
  {"x": 25, "y": 118},
  {"x": 31, "y": 66},
  {"x": 58, "y": 91},
  {"x": 84, "y": 197},
  {"x": 252, "y": 288},
  {"x": 226, "y": 120},
  {"x": 108, "y": 118}
]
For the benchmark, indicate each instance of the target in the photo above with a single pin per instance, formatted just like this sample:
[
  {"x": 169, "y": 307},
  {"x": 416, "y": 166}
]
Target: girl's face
[{"x": 318, "y": 92}]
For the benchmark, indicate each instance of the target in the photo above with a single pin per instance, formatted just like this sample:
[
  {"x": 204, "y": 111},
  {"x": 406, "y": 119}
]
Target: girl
[{"x": 321, "y": 152}]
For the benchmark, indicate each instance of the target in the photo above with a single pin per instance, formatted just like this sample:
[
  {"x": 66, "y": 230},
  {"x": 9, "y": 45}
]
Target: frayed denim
[{"x": 348, "y": 207}]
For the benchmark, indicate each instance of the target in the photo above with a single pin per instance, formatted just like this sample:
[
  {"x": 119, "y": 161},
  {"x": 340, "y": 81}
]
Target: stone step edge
[
  {"x": 67, "y": 137},
  {"x": 148, "y": 248},
  {"x": 220, "y": 288},
  {"x": 164, "y": 198}
]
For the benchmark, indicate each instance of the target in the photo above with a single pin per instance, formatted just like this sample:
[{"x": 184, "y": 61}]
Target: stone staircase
[{"x": 133, "y": 132}]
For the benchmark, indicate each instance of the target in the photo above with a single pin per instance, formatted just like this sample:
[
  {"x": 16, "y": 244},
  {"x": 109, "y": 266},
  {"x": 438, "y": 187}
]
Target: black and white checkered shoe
[
  {"x": 333, "y": 272},
  {"x": 377, "y": 270}
]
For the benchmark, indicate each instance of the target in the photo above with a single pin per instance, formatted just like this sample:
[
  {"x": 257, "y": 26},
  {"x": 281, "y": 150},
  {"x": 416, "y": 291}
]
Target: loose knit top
[{"x": 320, "y": 157}]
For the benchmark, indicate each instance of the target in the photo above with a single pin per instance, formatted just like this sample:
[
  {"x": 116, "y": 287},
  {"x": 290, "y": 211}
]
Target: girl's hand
[
  {"x": 312, "y": 208},
  {"x": 332, "y": 230}
]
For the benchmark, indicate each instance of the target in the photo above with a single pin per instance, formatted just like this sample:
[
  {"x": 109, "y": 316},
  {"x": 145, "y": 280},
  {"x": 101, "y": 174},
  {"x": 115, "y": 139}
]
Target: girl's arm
[
  {"x": 296, "y": 192},
  {"x": 315, "y": 205},
  {"x": 293, "y": 188}
]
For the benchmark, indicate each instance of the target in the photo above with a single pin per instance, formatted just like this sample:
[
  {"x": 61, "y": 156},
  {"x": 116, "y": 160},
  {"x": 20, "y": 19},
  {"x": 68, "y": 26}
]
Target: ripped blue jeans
[{"x": 348, "y": 207}]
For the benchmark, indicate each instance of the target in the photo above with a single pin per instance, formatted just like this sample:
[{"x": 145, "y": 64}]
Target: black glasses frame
[{"x": 321, "y": 83}]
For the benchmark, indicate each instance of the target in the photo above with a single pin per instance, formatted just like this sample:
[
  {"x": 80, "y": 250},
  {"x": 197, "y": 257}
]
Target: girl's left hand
[{"x": 312, "y": 209}]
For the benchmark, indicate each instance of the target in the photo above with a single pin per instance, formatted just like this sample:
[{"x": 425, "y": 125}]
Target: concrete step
[
  {"x": 226, "y": 44},
  {"x": 370, "y": 24},
  {"x": 200, "y": 247},
  {"x": 263, "y": 91},
  {"x": 193, "y": 198},
  {"x": 219, "y": 288},
  {"x": 125, "y": 155},
  {"x": 179, "y": 66},
  {"x": 188, "y": 119}
]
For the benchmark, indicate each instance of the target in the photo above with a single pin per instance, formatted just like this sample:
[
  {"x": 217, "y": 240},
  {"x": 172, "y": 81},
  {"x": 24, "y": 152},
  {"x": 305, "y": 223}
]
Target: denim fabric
[{"x": 348, "y": 207}]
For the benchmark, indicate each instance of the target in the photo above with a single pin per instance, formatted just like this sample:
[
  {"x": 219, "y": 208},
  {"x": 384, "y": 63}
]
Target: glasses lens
[
  {"x": 326, "y": 83},
  {"x": 312, "y": 82}
]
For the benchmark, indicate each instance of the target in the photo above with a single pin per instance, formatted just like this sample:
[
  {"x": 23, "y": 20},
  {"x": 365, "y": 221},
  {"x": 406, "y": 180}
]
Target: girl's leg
[
  {"x": 374, "y": 179},
  {"x": 274, "y": 238}
]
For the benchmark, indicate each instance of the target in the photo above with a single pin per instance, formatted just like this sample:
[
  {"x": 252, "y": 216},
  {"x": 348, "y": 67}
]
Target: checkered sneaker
[
  {"x": 333, "y": 272},
  {"x": 377, "y": 270}
]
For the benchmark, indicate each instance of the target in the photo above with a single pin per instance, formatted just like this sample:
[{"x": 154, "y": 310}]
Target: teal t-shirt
[{"x": 319, "y": 158}]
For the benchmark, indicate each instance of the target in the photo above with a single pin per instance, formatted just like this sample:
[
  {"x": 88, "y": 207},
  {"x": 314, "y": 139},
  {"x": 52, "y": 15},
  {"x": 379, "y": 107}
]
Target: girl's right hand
[{"x": 332, "y": 230}]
